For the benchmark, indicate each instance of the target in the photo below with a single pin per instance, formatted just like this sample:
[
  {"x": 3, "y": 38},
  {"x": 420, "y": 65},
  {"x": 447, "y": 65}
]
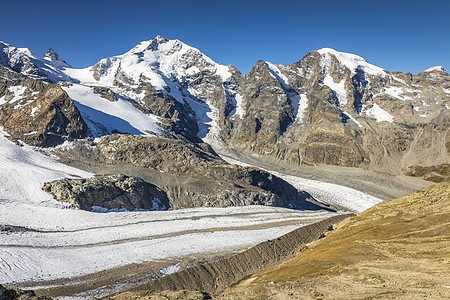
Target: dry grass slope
[{"x": 398, "y": 249}]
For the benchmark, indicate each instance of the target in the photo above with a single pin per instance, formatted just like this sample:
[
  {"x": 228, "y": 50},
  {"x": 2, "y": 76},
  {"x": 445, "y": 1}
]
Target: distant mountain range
[{"x": 328, "y": 108}]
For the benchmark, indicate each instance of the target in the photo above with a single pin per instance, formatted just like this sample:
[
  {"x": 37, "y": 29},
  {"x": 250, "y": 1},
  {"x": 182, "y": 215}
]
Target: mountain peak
[
  {"x": 160, "y": 39},
  {"x": 436, "y": 68},
  {"x": 352, "y": 61},
  {"x": 52, "y": 56}
]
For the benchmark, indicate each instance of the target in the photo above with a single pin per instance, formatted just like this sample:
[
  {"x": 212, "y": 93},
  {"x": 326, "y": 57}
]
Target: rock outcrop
[
  {"x": 191, "y": 175},
  {"x": 37, "y": 113},
  {"x": 17, "y": 294},
  {"x": 108, "y": 192}
]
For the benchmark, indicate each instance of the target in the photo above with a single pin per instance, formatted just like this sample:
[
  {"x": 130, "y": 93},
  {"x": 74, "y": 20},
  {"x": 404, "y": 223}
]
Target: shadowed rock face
[
  {"x": 109, "y": 192},
  {"x": 17, "y": 294},
  {"x": 37, "y": 113}
]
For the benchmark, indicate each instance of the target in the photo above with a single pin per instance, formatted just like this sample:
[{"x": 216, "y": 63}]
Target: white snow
[
  {"x": 102, "y": 115},
  {"x": 159, "y": 61},
  {"x": 276, "y": 73},
  {"x": 398, "y": 79},
  {"x": 396, "y": 92},
  {"x": 24, "y": 171},
  {"x": 352, "y": 119},
  {"x": 324, "y": 192},
  {"x": 295, "y": 98},
  {"x": 30, "y": 133},
  {"x": 423, "y": 116},
  {"x": 352, "y": 62},
  {"x": 435, "y": 68},
  {"x": 2, "y": 100},
  {"x": 33, "y": 111},
  {"x": 209, "y": 130},
  {"x": 240, "y": 108},
  {"x": 168, "y": 65},
  {"x": 170, "y": 269},
  {"x": 17, "y": 91},
  {"x": 338, "y": 89},
  {"x": 22, "y": 263},
  {"x": 379, "y": 114},
  {"x": 302, "y": 106}
]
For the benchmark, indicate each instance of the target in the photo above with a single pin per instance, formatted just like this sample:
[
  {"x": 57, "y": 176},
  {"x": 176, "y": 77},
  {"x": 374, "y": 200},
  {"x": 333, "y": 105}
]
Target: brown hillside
[{"x": 398, "y": 249}]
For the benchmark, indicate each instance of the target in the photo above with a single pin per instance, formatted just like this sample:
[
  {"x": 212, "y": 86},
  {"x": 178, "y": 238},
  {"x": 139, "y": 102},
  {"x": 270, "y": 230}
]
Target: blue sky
[{"x": 407, "y": 36}]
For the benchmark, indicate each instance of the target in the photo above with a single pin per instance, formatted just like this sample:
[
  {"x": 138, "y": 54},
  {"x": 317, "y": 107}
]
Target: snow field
[
  {"x": 101, "y": 114},
  {"x": 73, "y": 242}
]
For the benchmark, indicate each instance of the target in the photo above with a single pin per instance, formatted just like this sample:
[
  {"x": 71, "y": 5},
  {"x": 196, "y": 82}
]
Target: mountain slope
[
  {"x": 330, "y": 107},
  {"x": 397, "y": 249}
]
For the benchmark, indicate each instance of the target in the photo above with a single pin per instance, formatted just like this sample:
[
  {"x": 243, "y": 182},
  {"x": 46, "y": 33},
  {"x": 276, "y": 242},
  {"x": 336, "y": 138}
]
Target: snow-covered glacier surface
[{"x": 70, "y": 242}]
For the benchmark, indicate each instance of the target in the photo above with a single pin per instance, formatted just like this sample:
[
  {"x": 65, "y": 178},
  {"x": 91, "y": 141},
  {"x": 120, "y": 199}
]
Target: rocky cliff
[{"x": 38, "y": 113}]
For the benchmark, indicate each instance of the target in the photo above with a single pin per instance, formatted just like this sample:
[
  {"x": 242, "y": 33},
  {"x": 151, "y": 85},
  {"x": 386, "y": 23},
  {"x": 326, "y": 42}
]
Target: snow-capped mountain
[
  {"x": 329, "y": 107},
  {"x": 135, "y": 131}
]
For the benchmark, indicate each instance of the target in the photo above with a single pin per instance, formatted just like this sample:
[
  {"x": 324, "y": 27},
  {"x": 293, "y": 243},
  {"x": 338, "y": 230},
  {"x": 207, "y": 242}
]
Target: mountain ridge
[{"x": 327, "y": 108}]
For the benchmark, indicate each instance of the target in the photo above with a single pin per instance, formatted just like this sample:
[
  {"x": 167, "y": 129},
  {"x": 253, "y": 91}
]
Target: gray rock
[
  {"x": 43, "y": 116},
  {"x": 108, "y": 192}
]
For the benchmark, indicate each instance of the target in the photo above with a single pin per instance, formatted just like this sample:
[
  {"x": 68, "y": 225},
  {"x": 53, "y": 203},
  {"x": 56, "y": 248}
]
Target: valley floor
[{"x": 65, "y": 251}]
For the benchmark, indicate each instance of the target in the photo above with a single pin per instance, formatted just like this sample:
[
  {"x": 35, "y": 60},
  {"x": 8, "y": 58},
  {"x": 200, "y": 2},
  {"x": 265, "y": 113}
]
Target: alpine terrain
[{"x": 160, "y": 159}]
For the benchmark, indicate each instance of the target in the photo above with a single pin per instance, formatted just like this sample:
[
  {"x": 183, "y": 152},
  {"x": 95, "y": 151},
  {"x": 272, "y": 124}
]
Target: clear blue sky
[{"x": 407, "y": 36}]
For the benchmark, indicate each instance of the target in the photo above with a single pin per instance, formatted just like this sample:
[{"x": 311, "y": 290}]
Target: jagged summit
[
  {"x": 154, "y": 44},
  {"x": 52, "y": 56}
]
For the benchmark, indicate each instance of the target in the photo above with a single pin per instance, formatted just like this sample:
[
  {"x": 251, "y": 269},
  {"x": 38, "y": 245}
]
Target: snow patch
[
  {"x": 435, "y": 68},
  {"x": 398, "y": 79},
  {"x": 338, "y": 89},
  {"x": 294, "y": 97},
  {"x": 33, "y": 111},
  {"x": 17, "y": 92},
  {"x": 302, "y": 107},
  {"x": 170, "y": 269},
  {"x": 352, "y": 119},
  {"x": 104, "y": 116},
  {"x": 379, "y": 114},
  {"x": 240, "y": 108},
  {"x": 30, "y": 133},
  {"x": 396, "y": 92}
]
